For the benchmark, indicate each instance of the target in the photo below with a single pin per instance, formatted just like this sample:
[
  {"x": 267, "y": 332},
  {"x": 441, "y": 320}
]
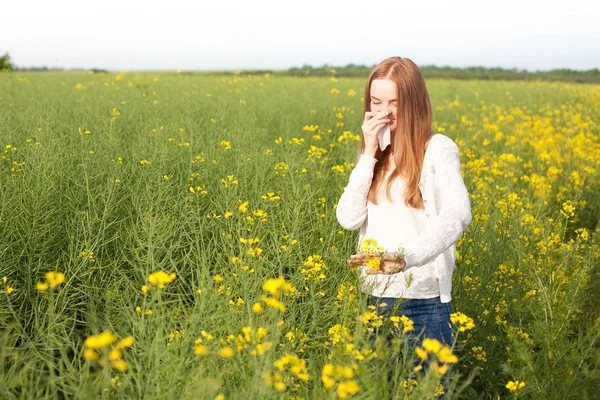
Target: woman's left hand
[{"x": 388, "y": 266}]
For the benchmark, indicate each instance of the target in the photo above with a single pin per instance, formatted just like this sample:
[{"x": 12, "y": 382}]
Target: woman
[{"x": 410, "y": 197}]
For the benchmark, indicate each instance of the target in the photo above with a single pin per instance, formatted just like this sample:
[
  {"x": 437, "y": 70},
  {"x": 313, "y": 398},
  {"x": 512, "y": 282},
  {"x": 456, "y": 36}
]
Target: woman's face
[{"x": 383, "y": 97}]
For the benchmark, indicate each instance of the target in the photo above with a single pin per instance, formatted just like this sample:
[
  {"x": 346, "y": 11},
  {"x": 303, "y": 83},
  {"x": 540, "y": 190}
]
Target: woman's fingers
[
  {"x": 376, "y": 123},
  {"x": 370, "y": 271},
  {"x": 373, "y": 122},
  {"x": 386, "y": 268},
  {"x": 390, "y": 267},
  {"x": 353, "y": 261},
  {"x": 370, "y": 115}
]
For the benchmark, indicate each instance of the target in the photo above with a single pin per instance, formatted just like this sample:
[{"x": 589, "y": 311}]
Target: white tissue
[{"x": 383, "y": 136}]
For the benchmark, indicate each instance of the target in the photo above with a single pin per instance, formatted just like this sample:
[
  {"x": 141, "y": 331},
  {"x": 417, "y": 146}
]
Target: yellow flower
[
  {"x": 422, "y": 354},
  {"x": 327, "y": 381},
  {"x": 445, "y": 355},
  {"x": 41, "y": 286},
  {"x": 91, "y": 355},
  {"x": 201, "y": 350},
  {"x": 99, "y": 341},
  {"x": 514, "y": 386},
  {"x": 347, "y": 388},
  {"x": 431, "y": 345},
  {"x": 54, "y": 278},
  {"x": 226, "y": 352},
  {"x": 343, "y": 376},
  {"x": 463, "y": 322},
  {"x": 115, "y": 112},
  {"x": 145, "y": 289},
  {"x": 254, "y": 251},
  {"x": 368, "y": 245},
  {"x": 225, "y": 144},
  {"x": 244, "y": 207},
  {"x": 273, "y": 285},
  {"x": 257, "y": 308},
  {"x": 207, "y": 335},
  {"x": 115, "y": 354},
  {"x": 297, "y": 366},
  {"x": 271, "y": 302},
  {"x": 119, "y": 365},
  {"x": 281, "y": 168},
  {"x": 568, "y": 209},
  {"x": 408, "y": 324},
  {"x": 124, "y": 343},
  {"x": 313, "y": 268},
  {"x": 439, "y": 369},
  {"x": 161, "y": 278},
  {"x": 374, "y": 263}
]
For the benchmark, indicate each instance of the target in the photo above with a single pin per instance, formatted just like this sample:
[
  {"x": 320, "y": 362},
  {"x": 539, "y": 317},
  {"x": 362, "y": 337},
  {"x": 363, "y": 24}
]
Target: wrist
[{"x": 369, "y": 152}]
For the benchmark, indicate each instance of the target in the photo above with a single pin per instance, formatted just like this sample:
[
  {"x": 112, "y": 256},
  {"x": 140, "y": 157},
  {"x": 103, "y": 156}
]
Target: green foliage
[
  {"x": 102, "y": 178},
  {"x": 5, "y": 64}
]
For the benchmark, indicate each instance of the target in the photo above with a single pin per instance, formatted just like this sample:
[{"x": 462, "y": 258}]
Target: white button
[
  {"x": 424, "y": 200},
  {"x": 427, "y": 215}
]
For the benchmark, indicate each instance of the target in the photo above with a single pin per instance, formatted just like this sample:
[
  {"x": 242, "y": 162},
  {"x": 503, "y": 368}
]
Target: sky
[{"x": 277, "y": 34}]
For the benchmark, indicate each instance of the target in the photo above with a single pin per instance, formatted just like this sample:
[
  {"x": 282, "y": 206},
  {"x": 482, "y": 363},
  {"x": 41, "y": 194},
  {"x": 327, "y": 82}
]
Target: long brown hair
[{"x": 413, "y": 129}]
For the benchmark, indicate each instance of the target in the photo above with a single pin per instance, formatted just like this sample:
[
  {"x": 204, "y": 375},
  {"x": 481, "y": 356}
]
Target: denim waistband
[{"x": 432, "y": 300}]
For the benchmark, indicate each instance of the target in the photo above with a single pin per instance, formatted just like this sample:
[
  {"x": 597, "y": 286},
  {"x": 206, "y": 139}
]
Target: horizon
[{"x": 325, "y": 65}]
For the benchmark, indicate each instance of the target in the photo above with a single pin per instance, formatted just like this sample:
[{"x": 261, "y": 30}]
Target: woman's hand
[
  {"x": 372, "y": 123},
  {"x": 389, "y": 263}
]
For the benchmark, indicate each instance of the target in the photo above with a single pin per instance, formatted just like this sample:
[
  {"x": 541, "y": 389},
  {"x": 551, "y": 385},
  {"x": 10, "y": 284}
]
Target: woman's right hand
[
  {"x": 372, "y": 123},
  {"x": 390, "y": 263}
]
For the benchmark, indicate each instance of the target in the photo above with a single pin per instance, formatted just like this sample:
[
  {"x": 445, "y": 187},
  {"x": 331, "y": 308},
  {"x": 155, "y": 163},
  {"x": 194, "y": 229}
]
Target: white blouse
[
  {"x": 392, "y": 224},
  {"x": 431, "y": 240}
]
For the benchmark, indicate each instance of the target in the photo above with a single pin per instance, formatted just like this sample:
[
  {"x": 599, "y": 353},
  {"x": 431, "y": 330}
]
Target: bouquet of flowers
[{"x": 376, "y": 257}]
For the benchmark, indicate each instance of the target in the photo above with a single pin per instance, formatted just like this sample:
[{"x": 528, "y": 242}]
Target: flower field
[{"x": 173, "y": 236}]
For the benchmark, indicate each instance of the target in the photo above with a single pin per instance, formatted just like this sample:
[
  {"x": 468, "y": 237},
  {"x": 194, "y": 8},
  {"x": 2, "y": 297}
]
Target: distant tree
[{"x": 5, "y": 64}]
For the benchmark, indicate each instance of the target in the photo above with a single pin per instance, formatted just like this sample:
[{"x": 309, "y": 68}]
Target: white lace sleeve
[
  {"x": 351, "y": 209},
  {"x": 454, "y": 210}
]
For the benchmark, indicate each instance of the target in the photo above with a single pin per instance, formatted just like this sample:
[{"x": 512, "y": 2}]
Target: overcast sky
[{"x": 279, "y": 34}]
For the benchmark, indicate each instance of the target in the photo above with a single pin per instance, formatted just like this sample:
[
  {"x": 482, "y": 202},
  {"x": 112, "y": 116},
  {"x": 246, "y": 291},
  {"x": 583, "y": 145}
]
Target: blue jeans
[{"x": 431, "y": 319}]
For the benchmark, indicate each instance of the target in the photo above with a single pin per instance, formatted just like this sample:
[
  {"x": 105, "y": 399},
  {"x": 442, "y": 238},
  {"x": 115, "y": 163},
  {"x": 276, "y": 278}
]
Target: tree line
[{"x": 356, "y": 70}]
